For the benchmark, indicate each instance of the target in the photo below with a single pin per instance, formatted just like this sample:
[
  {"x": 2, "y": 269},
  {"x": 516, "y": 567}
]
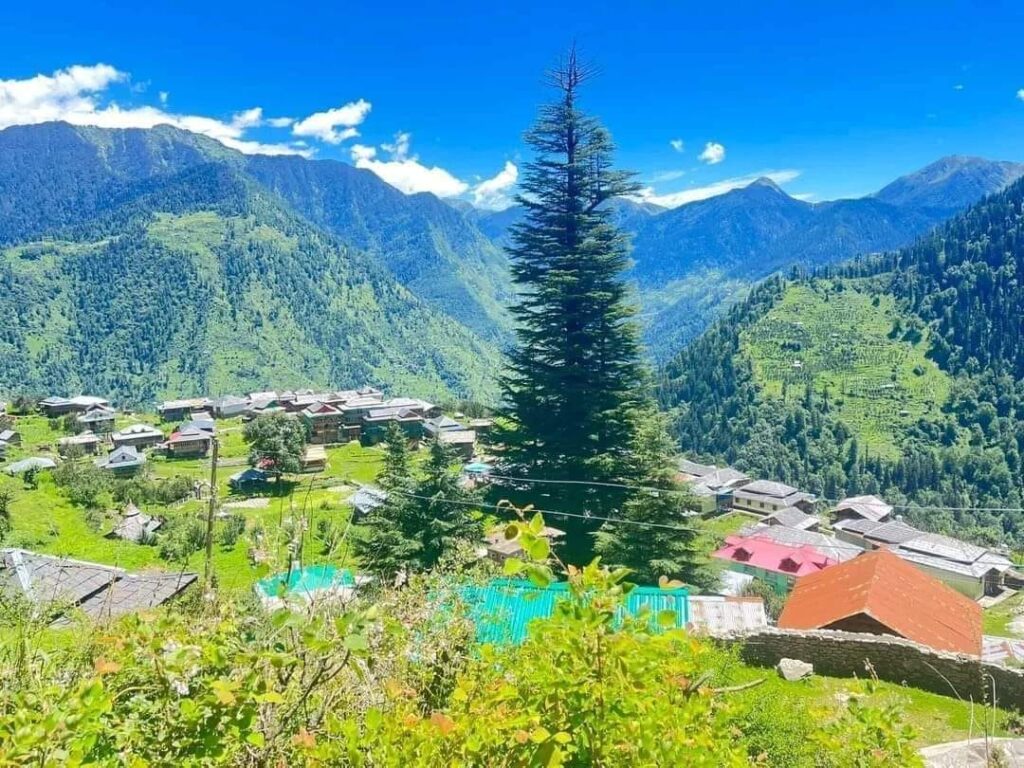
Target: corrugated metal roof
[
  {"x": 503, "y": 609},
  {"x": 904, "y": 599},
  {"x": 721, "y": 616}
]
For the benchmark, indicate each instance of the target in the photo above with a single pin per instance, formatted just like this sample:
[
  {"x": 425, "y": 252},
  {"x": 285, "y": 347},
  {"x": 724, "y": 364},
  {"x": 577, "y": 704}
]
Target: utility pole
[{"x": 208, "y": 573}]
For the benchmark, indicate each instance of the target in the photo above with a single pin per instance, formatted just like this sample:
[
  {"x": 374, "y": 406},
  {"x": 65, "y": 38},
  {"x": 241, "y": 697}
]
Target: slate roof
[
  {"x": 9, "y": 435},
  {"x": 688, "y": 467},
  {"x": 99, "y": 590},
  {"x": 37, "y": 462},
  {"x": 85, "y": 438},
  {"x": 867, "y": 507},
  {"x": 457, "y": 437},
  {"x": 442, "y": 424},
  {"x": 136, "y": 526},
  {"x": 760, "y": 490},
  {"x": 892, "y": 532},
  {"x": 99, "y": 413},
  {"x": 122, "y": 458},
  {"x": 367, "y": 499},
  {"x": 137, "y": 430},
  {"x": 904, "y": 599},
  {"x": 189, "y": 434},
  {"x": 830, "y": 546},
  {"x": 793, "y": 518}
]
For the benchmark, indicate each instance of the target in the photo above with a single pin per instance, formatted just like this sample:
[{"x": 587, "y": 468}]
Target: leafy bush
[{"x": 232, "y": 528}]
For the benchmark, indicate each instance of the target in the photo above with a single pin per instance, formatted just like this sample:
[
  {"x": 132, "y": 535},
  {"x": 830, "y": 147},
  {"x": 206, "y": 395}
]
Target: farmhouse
[
  {"x": 356, "y": 408},
  {"x": 122, "y": 461},
  {"x": 764, "y": 497},
  {"x": 314, "y": 459},
  {"x": 52, "y": 407},
  {"x": 135, "y": 526},
  {"x": 229, "y": 405},
  {"x": 971, "y": 570},
  {"x": 861, "y": 508},
  {"x": 99, "y": 591},
  {"x": 376, "y": 421},
  {"x": 179, "y": 410},
  {"x": 713, "y": 490},
  {"x": 248, "y": 479},
  {"x": 190, "y": 441},
  {"x": 138, "y": 436},
  {"x": 780, "y": 556},
  {"x": 435, "y": 426},
  {"x": 33, "y": 463},
  {"x": 462, "y": 442},
  {"x": 10, "y": 436},
  {"x": 882, "y": 594},
  {"x": 98, "y": 419},
  {"x": 325, "y": 424},
  {"x": 691, "y": 471},
  {"x": 87, "y": 442},
  {"x": 792, "y": 517}
]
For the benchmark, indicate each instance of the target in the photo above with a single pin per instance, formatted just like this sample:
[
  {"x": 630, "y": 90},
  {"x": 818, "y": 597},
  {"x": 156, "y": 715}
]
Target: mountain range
[
  {"x": 900, "y": 374},
  {"x": 146, "y": 263},
  {"x": 692, "y": 262}
]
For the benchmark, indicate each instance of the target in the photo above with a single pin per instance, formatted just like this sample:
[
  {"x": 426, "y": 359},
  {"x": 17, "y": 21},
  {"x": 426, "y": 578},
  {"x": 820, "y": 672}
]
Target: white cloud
[
  {"x": 1020, "y": 94},
  {"x": 405, "y": 172},
  {"x": 75, "y": 95},
  {"x": 280, "y": 122},
  {"x": 713, "y": 153},
  {"x": 958, "y": 87},
  {"x": 495, "y": 193},
  {"x": 164, "y": 96},
  {"x": 363, "y": 152},
  {"x": 325, "y": 125},
  {"x": 662, "y": 176},
  {"x": 677, "y": 145},
  {"x": 675, "y": 199}
]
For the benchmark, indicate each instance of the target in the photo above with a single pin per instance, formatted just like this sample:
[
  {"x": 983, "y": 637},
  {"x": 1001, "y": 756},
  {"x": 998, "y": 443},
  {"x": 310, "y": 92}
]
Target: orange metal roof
[{"x": 895, "y": 593}]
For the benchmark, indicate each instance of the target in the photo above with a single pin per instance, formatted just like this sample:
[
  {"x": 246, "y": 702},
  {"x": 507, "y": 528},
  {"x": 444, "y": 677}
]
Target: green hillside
[
  {"x": 851, "y": 346},
  {"x": 899, "y": 374},
  {"x": 207, "y": 285}
]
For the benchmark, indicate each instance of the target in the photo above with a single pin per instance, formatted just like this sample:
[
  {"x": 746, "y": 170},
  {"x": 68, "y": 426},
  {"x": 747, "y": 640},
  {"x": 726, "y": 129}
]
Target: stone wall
[{"x": 845, "y": 654}]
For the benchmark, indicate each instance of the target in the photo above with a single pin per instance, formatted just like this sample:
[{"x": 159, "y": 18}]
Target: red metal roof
[
  {"x": 773, "y": 556},
  {"x": 894, "y": 593}
]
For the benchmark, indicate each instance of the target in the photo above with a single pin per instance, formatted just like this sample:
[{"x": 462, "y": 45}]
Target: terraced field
[{"x": 858, "y": 348}]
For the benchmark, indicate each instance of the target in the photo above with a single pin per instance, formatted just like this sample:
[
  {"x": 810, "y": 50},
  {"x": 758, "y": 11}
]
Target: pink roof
[{"x": 773, "y": 556}]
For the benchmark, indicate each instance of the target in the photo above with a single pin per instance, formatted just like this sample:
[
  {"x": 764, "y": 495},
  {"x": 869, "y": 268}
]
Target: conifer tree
[
  {"x": 445, "y": 507},
  {"x": 394, "y": 537},
  {"x": 657, "y": 538},
  {"x": 575, "y": 376}
]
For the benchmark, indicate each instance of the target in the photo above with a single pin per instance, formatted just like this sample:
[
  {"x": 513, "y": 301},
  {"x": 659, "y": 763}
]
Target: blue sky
[{"x": 834, "y": 99}]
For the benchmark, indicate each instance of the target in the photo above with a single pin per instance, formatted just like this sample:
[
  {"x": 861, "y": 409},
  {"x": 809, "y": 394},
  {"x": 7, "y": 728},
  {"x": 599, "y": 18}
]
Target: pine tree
[
  {"x": 657, "y": 539},
  {"x": 445, "y": 507},
  {"x": 394, "y": 538},
  {"x": 575, "y": 375}
]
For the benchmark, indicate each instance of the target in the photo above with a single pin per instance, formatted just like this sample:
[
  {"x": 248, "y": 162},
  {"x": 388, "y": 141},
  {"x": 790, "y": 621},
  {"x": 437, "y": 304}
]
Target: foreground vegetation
[{"x": 396, "y": 678}]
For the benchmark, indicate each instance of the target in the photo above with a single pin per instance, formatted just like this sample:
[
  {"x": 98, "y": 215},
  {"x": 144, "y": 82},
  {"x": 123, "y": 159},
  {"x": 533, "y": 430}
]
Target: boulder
[{"x": 794, "y": 669}]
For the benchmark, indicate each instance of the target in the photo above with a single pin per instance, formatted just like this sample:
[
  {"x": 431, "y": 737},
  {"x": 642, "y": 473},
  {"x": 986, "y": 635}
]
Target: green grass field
[
  {"x": 44, "y": 519},
  {"x": 843, "y": 341}
]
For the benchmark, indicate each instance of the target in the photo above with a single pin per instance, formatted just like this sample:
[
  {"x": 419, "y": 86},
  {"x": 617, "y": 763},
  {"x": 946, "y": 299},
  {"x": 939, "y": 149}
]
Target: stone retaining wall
[{"x": 845, "y": 654}]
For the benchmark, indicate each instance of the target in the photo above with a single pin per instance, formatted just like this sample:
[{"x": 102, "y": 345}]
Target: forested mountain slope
[
  {"x": 899, "y": 374},
  {"x": 693, "y": 261},
  {"x": 202, "y": 281},
  {"x": 55, "y": 174}
]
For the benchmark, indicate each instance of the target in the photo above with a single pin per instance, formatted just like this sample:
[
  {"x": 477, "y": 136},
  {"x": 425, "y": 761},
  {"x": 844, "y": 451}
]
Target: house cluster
[
  {"x": 787, "y": 541},
  {"x": 341, "y": 416},
  {"x": 124, "y": 451}
]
